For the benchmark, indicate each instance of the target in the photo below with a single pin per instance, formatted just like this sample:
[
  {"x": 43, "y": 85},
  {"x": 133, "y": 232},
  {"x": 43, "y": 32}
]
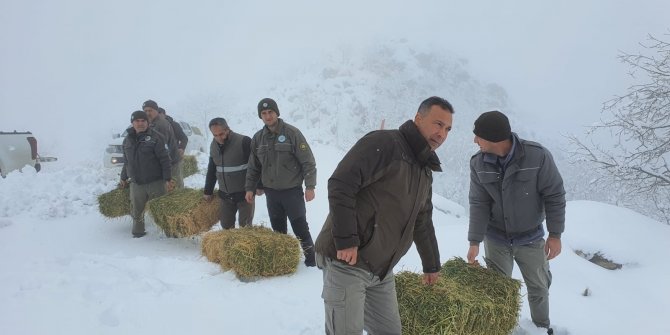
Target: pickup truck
[
  {"x": 113, "y": 155},
  {"x": 18, "y": 149}
]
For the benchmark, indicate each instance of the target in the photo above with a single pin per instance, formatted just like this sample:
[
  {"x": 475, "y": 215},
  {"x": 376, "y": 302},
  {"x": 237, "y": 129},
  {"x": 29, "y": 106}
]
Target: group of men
[
  {"x": 153, "y": 150},
  {"x": 379, "y": 203},
  {"x": 275, "y": 162}
]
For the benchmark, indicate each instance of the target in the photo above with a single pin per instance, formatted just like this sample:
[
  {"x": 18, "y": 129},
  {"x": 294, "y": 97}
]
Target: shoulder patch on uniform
[{"x": 303, "y": 146}]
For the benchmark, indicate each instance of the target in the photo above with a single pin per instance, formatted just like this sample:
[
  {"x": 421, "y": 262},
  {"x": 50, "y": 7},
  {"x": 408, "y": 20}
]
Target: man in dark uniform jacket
[{"x": 146, "y": 169}]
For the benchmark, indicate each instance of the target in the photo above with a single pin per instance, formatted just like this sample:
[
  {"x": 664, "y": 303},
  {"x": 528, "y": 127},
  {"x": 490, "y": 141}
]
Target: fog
[{"x": 72, "y": 71}]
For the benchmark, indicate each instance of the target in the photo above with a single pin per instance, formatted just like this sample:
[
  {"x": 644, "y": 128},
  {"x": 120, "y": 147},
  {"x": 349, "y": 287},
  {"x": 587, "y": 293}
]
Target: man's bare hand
[
  {"x": 552, "y": 247},
  {"x": 349, "y": 255},
  {"x": 431, "y": 278},
  {"x": 473, "y": 252},
  {"x": 249, "y": 197},
  {"x": 169, "y": 185},
  {"x": 309, "y": 195}
]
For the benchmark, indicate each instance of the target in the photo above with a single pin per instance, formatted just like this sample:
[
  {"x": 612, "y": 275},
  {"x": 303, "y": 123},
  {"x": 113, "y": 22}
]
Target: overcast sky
[{"x": 72, "y": 62}]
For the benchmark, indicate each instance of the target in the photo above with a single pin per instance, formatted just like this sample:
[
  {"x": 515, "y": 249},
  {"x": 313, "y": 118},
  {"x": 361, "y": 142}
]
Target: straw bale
[
  {"x": 183, "y": 212},
  {"x": 190, "y": 166},
  {"x": 253, "y": 251},
  {"x": 467, "y": 299},
  {"x": 114, "y": 203},
  {"x": 215, "y": 244}
]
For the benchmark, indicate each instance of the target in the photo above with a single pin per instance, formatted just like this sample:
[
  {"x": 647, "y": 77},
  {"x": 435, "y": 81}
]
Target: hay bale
[
  {"x": 183, "y": 212},
  {"x": 253, "y": 251},
  {"x": 190, "y": 166},
  {"x": 215, "y": 244},
  {"x": 466, "y": 300},
  {"x": 114, "y": 203}
]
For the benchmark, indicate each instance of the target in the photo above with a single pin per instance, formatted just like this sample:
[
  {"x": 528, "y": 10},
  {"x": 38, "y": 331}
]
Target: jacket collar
[
  {"x": 514, "y": 155},
  {"x": 419, "y": 146}
]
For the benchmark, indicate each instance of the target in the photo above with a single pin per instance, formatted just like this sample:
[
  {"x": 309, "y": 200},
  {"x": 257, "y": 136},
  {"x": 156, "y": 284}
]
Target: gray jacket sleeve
[
  {"x": 550, "y": 187},
  {"x": 480, "y": 206}
]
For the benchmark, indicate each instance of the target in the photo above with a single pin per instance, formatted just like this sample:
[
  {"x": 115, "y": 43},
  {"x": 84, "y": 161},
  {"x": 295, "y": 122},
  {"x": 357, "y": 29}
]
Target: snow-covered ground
[{"x": 65, "y": 269}]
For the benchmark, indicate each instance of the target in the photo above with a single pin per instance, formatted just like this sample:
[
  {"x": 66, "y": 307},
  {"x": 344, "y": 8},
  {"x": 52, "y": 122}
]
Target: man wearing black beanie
[
  {"x": 514, "y": 186},
  {"x": 146, "y": 168},
  {"x": 281, "y": 160}
]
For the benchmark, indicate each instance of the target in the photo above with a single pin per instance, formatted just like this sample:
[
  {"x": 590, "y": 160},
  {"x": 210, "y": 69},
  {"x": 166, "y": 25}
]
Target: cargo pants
[
  {"x": 534, "y": 267},
  {"x": 232, "y": 206},
  {"x": 357, "y": 300},
  {"x": 177, "y": 171},
  {"x": 139, "y": 196}
]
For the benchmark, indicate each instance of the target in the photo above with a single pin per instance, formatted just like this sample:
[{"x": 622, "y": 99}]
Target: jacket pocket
[{"x": 488, "y": 177}]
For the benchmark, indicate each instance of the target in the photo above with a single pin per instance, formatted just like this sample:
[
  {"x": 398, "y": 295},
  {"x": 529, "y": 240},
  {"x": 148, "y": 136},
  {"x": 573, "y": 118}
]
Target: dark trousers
[
  {"x": 231, "y": 207},
  {"x": 291, "y": 203}
]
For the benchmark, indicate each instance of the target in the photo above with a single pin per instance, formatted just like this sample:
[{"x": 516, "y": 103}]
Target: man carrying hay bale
[
  {"x": 146, "y": 168},
  {"x": 514, "y": 186},
  {"x": 380, "y": 199},
  {"x": 281, "y": 160},
  {"x": 228, "y": 158},
  {"x": 159, "y": 123},
  {"x": 181, "y": 141}
]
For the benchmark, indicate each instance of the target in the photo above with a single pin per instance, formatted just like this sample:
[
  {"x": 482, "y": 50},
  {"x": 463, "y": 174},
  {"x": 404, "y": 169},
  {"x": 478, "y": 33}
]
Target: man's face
[
  {"x": 220, "y": 133},
  {"x": 140, "y": 125},
  {"x": 484, "y": 145},
  {"x": 269, "y": 117},
  {"x": 151, "y": 113},
  {"x": 434, "y": 126}
]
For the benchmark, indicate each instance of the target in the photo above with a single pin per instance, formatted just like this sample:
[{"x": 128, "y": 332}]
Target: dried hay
[
  {"x": 190, "y": 166},
  {"x": 467, "y": 299},
  {"x": 253, "y": 251},
  {"x": 114, "y": 203},
  {"x": 183, "y": 212}
]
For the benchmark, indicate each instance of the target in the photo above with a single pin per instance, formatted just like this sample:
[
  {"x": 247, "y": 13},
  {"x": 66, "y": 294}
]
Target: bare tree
[{"x": 636, "y": 159}]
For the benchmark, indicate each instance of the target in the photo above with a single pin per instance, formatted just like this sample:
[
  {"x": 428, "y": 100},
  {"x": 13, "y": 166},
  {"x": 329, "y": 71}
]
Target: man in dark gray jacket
[
  {"x": 514, "y": 186},
  {"x": 281, "y": 160},
  {"x": 380, "y": 198},
  {"x": 228, "y": 160},
  {"x": 147, "y": 168}
]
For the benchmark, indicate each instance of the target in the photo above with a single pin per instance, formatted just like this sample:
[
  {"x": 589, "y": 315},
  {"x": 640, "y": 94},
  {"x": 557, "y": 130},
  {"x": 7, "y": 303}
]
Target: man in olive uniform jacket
[
  {"x": 147, "y": 168},
  {"x": 281, "y": 159},
  {"x": 159, "y": 123},
  {"x": 380, "y": 198},
  {"x": 228, "y": 158}
]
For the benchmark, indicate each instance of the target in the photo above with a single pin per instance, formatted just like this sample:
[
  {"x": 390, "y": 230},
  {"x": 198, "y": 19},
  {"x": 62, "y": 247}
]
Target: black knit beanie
[
  {"x": 151, "y": 104},
  {"x": 493, "y": 126},
  {"x": 265, "y": 104},
  {"x": 138, "y": 115}
]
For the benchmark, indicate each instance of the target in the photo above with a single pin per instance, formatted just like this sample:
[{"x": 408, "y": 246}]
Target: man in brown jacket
[{"x": 380, "y": 202}]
